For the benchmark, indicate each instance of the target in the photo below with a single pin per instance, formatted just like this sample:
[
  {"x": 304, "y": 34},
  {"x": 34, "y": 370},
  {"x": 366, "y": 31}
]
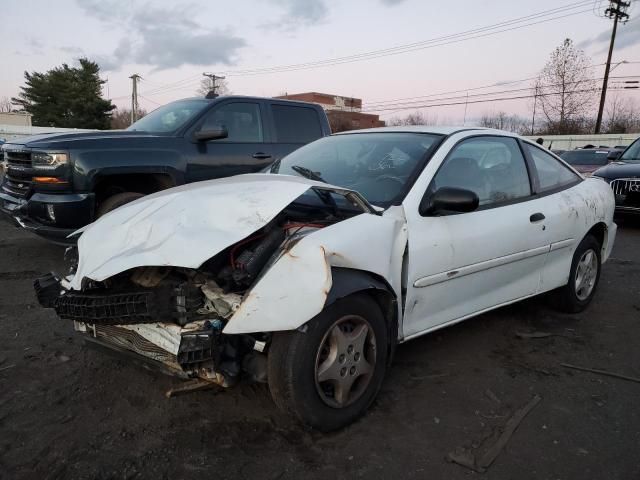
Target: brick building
[{"x": 345, "y": 113}]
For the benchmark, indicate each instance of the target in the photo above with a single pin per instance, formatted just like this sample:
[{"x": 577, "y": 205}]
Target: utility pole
[
  {"x": 535, "y": 101},
  {"x": 618, "y": 11},
  {"x": 464, "y": 121},
  {"x": 134, "y": 97},
  {"x": 213, "y": 77}
]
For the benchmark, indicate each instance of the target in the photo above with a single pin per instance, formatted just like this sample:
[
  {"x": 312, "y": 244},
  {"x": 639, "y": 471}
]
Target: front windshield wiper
[
  {"x": 308, "y": 173},
  {"x": 275, "y": 166}
]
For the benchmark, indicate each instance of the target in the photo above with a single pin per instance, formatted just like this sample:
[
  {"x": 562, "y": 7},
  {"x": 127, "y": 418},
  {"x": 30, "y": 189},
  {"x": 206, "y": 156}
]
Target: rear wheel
[
  {"x": 116, "y": 201},
  {"x": 583, "y": 277},
  {"x": 328, "y": 375}
]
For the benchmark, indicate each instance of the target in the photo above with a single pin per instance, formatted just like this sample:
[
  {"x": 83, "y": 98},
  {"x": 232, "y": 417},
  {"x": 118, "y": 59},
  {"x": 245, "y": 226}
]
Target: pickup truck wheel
[
  {"x": 583, "y": 277},
  {"x": 116, "y": 201},
  {"x": 328, "y": 375}
]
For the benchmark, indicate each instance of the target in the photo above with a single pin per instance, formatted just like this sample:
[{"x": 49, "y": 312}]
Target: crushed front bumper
[{"x": 129, "y": 323}]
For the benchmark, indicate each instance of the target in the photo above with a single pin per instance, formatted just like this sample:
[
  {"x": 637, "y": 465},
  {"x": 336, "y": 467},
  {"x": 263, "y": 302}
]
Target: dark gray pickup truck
[{"x": 57, "y": 183}]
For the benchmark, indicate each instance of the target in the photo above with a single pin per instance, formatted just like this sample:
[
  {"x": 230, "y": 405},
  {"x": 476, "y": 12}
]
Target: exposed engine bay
[{"x": 175, "y": 315}]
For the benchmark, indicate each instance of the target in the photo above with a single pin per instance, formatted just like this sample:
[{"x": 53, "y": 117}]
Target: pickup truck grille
[
  {"x": 18, "y": 178},
  {"x": 627, "y": 191}
]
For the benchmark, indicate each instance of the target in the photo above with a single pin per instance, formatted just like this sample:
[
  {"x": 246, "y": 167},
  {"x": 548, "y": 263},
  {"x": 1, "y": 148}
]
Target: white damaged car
[{"x": 309, "y": 276}]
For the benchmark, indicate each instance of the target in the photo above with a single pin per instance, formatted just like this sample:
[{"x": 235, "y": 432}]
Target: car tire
[
  {"x": 327, "y": 374},
  {"x": 583, "y": 277},
  {"x": 116, "y": 201}
]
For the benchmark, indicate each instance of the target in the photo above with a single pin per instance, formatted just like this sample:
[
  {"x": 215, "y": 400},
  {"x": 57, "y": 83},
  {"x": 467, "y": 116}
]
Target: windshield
[
  {"x": 632, "y": 154},
  {"x": 585, "y": 157},
  {"x": 379, "y": 166},
  {"x": 170, "y": 117}
]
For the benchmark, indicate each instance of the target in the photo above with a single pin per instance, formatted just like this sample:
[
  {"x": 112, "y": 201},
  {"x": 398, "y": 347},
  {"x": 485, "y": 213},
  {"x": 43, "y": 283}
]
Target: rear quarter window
[
  {"x": 552, "y": 174},
  {"x": 296, "y": 124}
]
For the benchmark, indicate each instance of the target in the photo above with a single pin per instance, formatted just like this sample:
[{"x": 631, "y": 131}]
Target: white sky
[{"x": 173, "y": 41}]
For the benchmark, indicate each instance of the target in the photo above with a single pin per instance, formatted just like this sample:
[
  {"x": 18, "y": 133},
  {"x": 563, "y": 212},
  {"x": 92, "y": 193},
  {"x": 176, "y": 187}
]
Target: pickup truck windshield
[
  {"x": 379, "y": 166},
  {"x": 170, "y": 117}
]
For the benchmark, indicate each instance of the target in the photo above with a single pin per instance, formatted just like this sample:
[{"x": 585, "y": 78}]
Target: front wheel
[
  {"x": 583, "y": 277},
  {"x": 328, "y": 375},
  {"x": 117, "y": 200}
]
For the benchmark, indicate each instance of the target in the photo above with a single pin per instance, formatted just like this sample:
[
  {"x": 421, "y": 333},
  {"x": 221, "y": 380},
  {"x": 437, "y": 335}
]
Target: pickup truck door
[
  {"x": 245, "y": 150},
  {"x": 294, "y": 125},
  {"x": 462, "y": 264}
]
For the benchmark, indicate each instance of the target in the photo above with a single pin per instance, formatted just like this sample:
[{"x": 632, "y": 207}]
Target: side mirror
[
  {"x": 448, "y": 199},
  {"x": 614, "y": 155},
  {"x": 213, "y": 132}
]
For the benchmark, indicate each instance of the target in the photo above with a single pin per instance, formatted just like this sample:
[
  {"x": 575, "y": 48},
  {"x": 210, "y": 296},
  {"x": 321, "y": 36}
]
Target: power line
[
  {"x": 462, "y": 90},
  {"x": 411, "y": 47},
  {"x": 519, "y": 97},
  {"x": 406, "y": 105},
  {"x": 149, "y": 100},
  {"x": 431, "y": 43}
]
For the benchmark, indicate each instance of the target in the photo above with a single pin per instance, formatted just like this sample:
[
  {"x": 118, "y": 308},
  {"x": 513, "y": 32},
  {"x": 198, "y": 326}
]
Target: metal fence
[
  {"x": 11, "y": 132},
  {"x": 569, "y": 142}
]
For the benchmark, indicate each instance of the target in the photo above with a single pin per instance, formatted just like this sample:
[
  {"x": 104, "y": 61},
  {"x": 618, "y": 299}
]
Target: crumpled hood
[{"x": 184, "y": 226}]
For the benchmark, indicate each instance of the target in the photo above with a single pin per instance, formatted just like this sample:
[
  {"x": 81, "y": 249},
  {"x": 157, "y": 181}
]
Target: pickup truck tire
[
  {"x": 116, "y": 201},
  {"x": 327, "y": 374}
]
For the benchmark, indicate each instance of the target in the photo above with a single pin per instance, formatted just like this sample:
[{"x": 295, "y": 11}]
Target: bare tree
[
  {"x": 415, "y": 118},
  {"x": 504, "y": 121},
  {"x": 206, "y": 85},
  {"x": 565, "y": 89},
  {"x": 5, "y": 105},
  {"x": 622, "y": 115},
  {"x": 121, "y": 118}
]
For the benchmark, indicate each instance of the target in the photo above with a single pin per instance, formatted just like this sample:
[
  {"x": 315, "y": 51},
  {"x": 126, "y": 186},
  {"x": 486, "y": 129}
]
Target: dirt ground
[{"x": 68, "y": 411}]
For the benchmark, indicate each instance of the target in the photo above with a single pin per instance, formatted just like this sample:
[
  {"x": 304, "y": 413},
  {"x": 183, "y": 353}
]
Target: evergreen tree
[{"x": 66, "y": 97}]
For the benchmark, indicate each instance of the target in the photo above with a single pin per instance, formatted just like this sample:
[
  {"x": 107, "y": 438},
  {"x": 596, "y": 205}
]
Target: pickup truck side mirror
[
  {"x": 213, "y": 132},
  {"x": 614, "y": 155},
  {"x": 448, "y": 199}
]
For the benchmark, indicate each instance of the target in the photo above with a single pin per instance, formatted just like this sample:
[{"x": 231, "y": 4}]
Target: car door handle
[
  {"x": 536, "y": 217},
  {"x": 261, "y": 155}
]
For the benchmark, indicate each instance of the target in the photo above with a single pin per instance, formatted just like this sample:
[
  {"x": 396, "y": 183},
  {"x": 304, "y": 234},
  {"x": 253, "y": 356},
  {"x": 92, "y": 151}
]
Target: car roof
[{"x": 439, "y": 130}]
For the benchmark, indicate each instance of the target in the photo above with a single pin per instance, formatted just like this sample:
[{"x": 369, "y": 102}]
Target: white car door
[
  {"x": 463, "y": 263},
  {"x": 562, "y": 201}
]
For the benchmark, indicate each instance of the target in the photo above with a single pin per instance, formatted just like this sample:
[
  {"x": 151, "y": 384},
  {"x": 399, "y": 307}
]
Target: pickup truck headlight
[{"x": 48, "y": 160}]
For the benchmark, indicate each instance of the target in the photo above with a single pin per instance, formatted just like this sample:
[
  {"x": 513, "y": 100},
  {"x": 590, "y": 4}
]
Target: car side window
[
  {"x": 296, "y": 124},
  {"x": 552, "y": 173},
  {"x": 492, "y": 167},
  {"x": 241, "y": 119}
]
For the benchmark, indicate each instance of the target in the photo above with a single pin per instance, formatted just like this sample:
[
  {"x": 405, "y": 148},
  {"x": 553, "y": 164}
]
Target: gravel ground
[{"x": 68, "y": 411}]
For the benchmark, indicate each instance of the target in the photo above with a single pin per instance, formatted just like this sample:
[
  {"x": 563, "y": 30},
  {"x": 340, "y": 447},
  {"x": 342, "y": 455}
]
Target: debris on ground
[
  {"x": 526, "y": 335},
  {"x": 601, "y": 372},
  {"x": 492, "y": 396},
  {"x": 190, "y": 386},
  {"x": 470, "y": 460}
]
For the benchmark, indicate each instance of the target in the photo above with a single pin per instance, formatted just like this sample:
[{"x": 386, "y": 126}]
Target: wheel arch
[
  {"x": 349, "y": 281},
  {"x": 139, "y": 182},
  {"x": 600, "y": 232}
]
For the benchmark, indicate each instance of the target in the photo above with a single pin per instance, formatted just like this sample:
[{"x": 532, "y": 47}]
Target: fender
[
  {"x": 351, "y": 248},
  {"x": 165, "y": 156}
]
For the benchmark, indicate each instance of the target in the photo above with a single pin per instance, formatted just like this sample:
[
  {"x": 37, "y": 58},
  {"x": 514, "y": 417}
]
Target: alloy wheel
[
  {"x": 345, "y": 361},
  {"x": 586, "y": 274}
]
